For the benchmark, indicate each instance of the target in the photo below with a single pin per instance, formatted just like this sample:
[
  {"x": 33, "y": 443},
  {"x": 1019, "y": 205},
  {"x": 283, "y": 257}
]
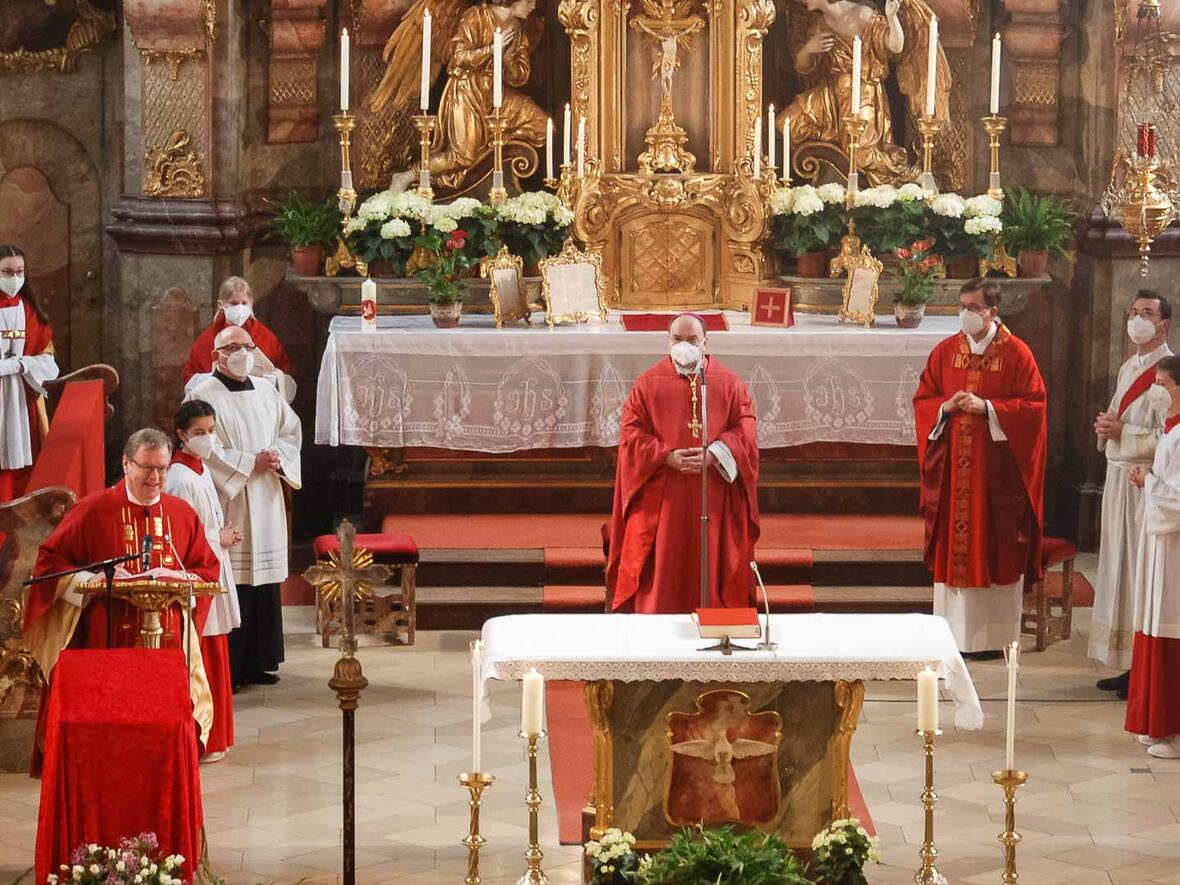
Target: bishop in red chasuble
[
  {"x": 653, "y": 565},
  {"x": 109, "y": 524},
  {"x": 980, "y": 423}
]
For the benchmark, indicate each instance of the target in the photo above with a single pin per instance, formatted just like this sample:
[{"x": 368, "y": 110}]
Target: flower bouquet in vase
[{"x": 917, "y": 269}]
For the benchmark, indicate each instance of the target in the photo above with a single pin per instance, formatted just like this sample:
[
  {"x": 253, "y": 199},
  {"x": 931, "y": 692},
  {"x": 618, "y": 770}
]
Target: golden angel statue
[
  {"x": 461, "y": 41},
  {"x": 898, "y": 33}
]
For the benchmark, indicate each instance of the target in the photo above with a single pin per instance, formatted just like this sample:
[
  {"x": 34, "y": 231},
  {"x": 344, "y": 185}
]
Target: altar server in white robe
[
  {"x": 1127, "y": 431},
  {"x": 189, "y": 479},
  {"x": 1153, "y": 696},
  {"x": 260, "y": 440}
]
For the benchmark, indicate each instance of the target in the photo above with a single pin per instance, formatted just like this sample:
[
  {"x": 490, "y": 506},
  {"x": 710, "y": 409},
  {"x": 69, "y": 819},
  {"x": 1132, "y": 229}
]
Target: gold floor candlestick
[
  {"x": 855, "y": 127},
  {"x": 424, "y": 123},
  {"x": 475, "y": 782},
  {"x": 994, "y": 126},
  {"x": 1010, "y": 780},
  {"x": 533, "y": 875},
  {"x": 497, "y": 195},
  {"x": 929, "y": 874},
  {"x": 344, "y": 123},
  {"x": 929, "y": 127}
]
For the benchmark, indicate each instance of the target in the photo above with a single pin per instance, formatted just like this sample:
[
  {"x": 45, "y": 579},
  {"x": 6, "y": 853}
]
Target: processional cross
[
  {"x": 346, "y": 575},
  {"x": 669, "y": 26}
]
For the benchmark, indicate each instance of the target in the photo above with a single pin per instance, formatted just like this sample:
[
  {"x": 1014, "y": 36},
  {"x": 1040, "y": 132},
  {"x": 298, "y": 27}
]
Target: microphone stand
[
  {"x": 107, "y": 567},
  {"x": 765, "y": 644},
  {"x": 704, "y": 489}
]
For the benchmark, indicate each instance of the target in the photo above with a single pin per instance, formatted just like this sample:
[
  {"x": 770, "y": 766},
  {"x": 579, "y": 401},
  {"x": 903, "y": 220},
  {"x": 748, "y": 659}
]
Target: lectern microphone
[
  {"x": 145, "y": 553},
  {"x": 765, "y": 644}
]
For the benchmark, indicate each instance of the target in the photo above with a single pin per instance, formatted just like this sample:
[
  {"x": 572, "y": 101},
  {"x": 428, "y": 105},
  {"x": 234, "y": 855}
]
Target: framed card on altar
[
  {"x": 863, "y": 270},
  {"x": 509, "y": 299},
  {"x": 572, "y": 287},
  {"x": 772, "y": 307}
]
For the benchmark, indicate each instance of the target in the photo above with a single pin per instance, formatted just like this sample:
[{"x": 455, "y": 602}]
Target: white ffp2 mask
[
  {"x": 240, "y": 362},
  {"x": 686, "y": 355},
  {"x": 1140, "y": 329},
  {"x": 237, "y": 314},
  {"x": 201, "y": 446},
  {"x": 11, "y": 285},
  {"x": 971, "y": 322}
]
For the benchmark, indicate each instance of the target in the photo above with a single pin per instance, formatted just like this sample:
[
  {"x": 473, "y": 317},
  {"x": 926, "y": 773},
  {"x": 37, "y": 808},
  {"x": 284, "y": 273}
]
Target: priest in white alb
[
  {"x": 260, "y": 438},
  {"x": 1127, "y": 431}
]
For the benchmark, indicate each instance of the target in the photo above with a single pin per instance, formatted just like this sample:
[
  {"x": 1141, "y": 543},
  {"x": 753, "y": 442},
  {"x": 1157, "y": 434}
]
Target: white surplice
[
  {"x": 249, "y": 421},
  {"x": 1157, "y": 611},
  {"x": 198, "y": 490},
  {"x": 263, "y": 368},
  {"x": 1112, "y": 629},
  {"x": 16, "y": 444}
]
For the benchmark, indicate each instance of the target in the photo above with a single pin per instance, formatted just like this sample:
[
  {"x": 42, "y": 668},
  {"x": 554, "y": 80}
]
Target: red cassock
[
  {"x": 654, "y": 560},
  {"x": 38, "y": 340},
  {"x": 983, "y": 500},
  {"x": 200, "y": 357}
]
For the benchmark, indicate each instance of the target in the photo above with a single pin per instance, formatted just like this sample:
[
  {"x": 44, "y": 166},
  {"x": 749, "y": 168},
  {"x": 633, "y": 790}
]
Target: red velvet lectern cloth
[{"x": 120, "y": 755}]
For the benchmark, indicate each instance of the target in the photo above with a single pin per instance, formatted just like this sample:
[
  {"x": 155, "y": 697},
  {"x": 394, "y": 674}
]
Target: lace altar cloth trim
[{"x": 478, "y": 388}]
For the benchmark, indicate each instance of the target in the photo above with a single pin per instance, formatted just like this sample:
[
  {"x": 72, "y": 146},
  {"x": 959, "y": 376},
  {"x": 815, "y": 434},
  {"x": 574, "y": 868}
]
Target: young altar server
[
  {"x": 235, "y": 307},
  {"x": 189, "y": 480},
  {"x": 260, "y": 440},
  {"x": 26, "y": 363},
  {"x": 979, "y": 415},
  {"x": 653, "y": 564},
  {"x": 1153, "y": 697},
  {"x": 1128, "y": 432}
]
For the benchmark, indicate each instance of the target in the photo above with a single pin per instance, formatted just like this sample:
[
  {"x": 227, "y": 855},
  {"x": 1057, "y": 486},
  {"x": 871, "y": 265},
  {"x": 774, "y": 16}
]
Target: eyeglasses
[
  {"x": 974, "y": 308},
  {"x": 234, "y": 348},
  {"x": 1146, "y": 312},
  {"x": 159, "y": 471},
  {"x": 8, "y": 273}
]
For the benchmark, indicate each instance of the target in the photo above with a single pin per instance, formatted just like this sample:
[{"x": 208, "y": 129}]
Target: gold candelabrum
[
  {"x": 929, "y": 127},
  {"x": 929, "y": 874},
  {"x": 1010, "y": 780},
  {"x": 1145, "y": 209},
  {"x": 534, "y": 875},
  {"x": 497, "y": 195},
  {"x": 424, "y": 123},
  {"x": 344, "y": 123},
  {"x": 475, "y": 782},
  {"x": 994, "y": 125},
  {"x": 855, "y": 126},
  {"x": 567, "y": 184}
]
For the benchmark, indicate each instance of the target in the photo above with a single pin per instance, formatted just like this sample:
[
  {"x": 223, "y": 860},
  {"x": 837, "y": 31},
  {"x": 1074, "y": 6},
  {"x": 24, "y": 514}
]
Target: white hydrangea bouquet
[
  {"x": 807, "y": 218},
  {"x": 841, "y": 852},
  {"x": 389, "y": 227},
  {"x": 612, "y": 858},
  {"x": 533, "y": 225},
  {"x": 133, "y": 862}
]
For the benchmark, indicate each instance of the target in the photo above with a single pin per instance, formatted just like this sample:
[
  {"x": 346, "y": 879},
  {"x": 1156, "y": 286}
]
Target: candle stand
[
  {"x": 497, "y": 195},
  {"x": 1010, "y": 780},
  {"x": 929, "y": 127},
  {"x": 424, "y": 123},
  {"x": 994, "y": 125},
  {"x": 929, "y": 874},
  {"x": 855, "y": 127},
  {"x": 344, "y": 123},
  {"x": 475, "y": 782},
  {"x": 533, "y": 875}
]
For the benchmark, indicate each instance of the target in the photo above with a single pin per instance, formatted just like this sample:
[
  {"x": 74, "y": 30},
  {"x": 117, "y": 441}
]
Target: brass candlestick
[
  {"x": 497, "y": 195},
  {"x": 424, "y": 123},
  {"x": 855, "y": 126},
  {"x": 1010, "y": 780},
  {"x": 344, "y": 123},
  {"x": 533, "y": 875},
  {"x": 993, "y": 125},
  {"x": 475, "y": 782},
  {"x": 929, "y": 874},
  {"x": 929, "y": 127}
]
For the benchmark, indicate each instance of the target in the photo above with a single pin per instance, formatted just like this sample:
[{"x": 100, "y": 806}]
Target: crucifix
[
  {"x": 347, "y": 575},
  {"x": 668, "y": 26},
  {"x": 694, "y": 426}
]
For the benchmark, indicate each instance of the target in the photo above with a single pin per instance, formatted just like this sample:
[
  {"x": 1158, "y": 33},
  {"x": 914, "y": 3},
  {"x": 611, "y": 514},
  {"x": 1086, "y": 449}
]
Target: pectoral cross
[
  {"x": 347, "y": 574},
  {"x": 694, "y": 426}
]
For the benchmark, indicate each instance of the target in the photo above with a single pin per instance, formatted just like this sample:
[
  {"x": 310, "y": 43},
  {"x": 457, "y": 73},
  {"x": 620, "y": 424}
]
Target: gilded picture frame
[
  {"x": 510, "y": 301},
  {"x": 858, "y": 303},
  {"x": 572, "y": 286}
]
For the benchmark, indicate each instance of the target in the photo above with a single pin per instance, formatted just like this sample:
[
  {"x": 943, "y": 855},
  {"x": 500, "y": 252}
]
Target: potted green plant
[
  {"x": 964, "y": 230},
  {"x": 443, "y": 275},
  {"x": 532, "y": 225},
  {"x": 310, "y": 229},
  {"x": 722, "y": 857},
  {"x": 917, "y": 267},
  {"x": 841, "y": 852},
  {"x": 1036, "y": 227},
  {"x": 384, "y": 230},
  {"x": 889, "y": 217},
  {"x": 806, "y": 222}
]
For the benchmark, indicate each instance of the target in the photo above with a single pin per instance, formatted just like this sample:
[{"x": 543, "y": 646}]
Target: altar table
[
  {"x": 478, "y": 388},
  {"x": 758, "y": 738}
]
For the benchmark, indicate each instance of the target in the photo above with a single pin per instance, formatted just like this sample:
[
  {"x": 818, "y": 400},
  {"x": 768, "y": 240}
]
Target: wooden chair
[
  {"x": 393, "y": 615},
  {"x": 1046, "y": 619}
]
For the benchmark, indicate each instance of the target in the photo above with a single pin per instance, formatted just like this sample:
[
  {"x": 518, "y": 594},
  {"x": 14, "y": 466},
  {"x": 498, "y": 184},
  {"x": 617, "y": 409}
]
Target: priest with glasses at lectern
[{"x": 654, "y": 563}]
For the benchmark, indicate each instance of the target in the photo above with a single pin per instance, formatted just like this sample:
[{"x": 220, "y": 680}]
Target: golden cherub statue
[
  {"x": 461, "y": 41},
  {"x": 897, "y": 33}
]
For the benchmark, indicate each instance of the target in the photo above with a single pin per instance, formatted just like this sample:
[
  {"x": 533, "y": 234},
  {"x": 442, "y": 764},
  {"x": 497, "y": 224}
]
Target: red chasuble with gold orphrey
[
  {"x": 983, "y": 500},
  {"x": 654, "y": 560}
]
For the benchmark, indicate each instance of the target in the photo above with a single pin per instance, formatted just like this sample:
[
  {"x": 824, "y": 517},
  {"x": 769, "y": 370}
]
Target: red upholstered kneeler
[
  {"x": 394, "y": 615},
  {"x": 120, "y": 755}
]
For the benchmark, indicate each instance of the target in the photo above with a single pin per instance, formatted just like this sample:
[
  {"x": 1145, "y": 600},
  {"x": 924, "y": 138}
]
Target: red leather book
[{"x": 736, "y": 623}]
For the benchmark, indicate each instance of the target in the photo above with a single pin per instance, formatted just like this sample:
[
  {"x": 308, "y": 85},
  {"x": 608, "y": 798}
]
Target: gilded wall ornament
[
  {"x": 88, "y": 30},
  {"x": 173, "y": 170}
]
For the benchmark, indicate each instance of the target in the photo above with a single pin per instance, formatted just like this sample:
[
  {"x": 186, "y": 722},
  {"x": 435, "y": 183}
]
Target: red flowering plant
[
  {"x": 918, "y": 268},
  {"x": 443, "y": 275}
]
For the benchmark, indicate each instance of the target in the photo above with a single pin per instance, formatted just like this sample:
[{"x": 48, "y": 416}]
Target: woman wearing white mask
[
  {"x": 26, "y": 363},
  {"x": 189, "y": 478}
]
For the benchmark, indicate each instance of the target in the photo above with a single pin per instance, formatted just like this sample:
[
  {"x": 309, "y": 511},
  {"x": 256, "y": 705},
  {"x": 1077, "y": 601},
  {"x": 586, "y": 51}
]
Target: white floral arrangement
[
  {"x": 842, "y": 850},
  {"x": 132, "y": 862},
  {"x": 535, "y": 207},
  {"x": 806, "y": 199},
  {"x": 612, "y": 857}
]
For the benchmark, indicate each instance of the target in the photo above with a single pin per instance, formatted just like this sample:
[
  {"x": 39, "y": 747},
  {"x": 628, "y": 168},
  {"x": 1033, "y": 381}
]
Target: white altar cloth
[
  {"x": 812, "y": 647},
  {"x": 479, "y": 388}
]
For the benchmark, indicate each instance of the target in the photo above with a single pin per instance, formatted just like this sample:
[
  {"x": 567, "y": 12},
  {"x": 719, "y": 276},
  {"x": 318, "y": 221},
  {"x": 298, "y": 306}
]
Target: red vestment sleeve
[{"x": 1021, "y": 413}]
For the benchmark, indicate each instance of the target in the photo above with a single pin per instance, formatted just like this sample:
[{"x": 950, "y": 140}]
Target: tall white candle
[
  {"x": 565, "y": 148},
  {"x": 1010, "y": 743},
  {"x": 786, "y": 150},
  {"x": 856, "y": 75},
  {"x": 758, "y": 148},
  {"x": 995, "y": 102},
  {"x": 549, "y": 148},
  {"x": 771, "y": 141},
  {"x": 427, "y": 29},
  {"x": 532, "y": 703},
  {"x": 476, "y": 699},
  {"x": 498, "y": 69},
  {"x": 581, "y": 146},
  {"x": 344, "y": 47},
  {"x": 932, "y": 66},
  {"x": 928, "y": 700}
]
